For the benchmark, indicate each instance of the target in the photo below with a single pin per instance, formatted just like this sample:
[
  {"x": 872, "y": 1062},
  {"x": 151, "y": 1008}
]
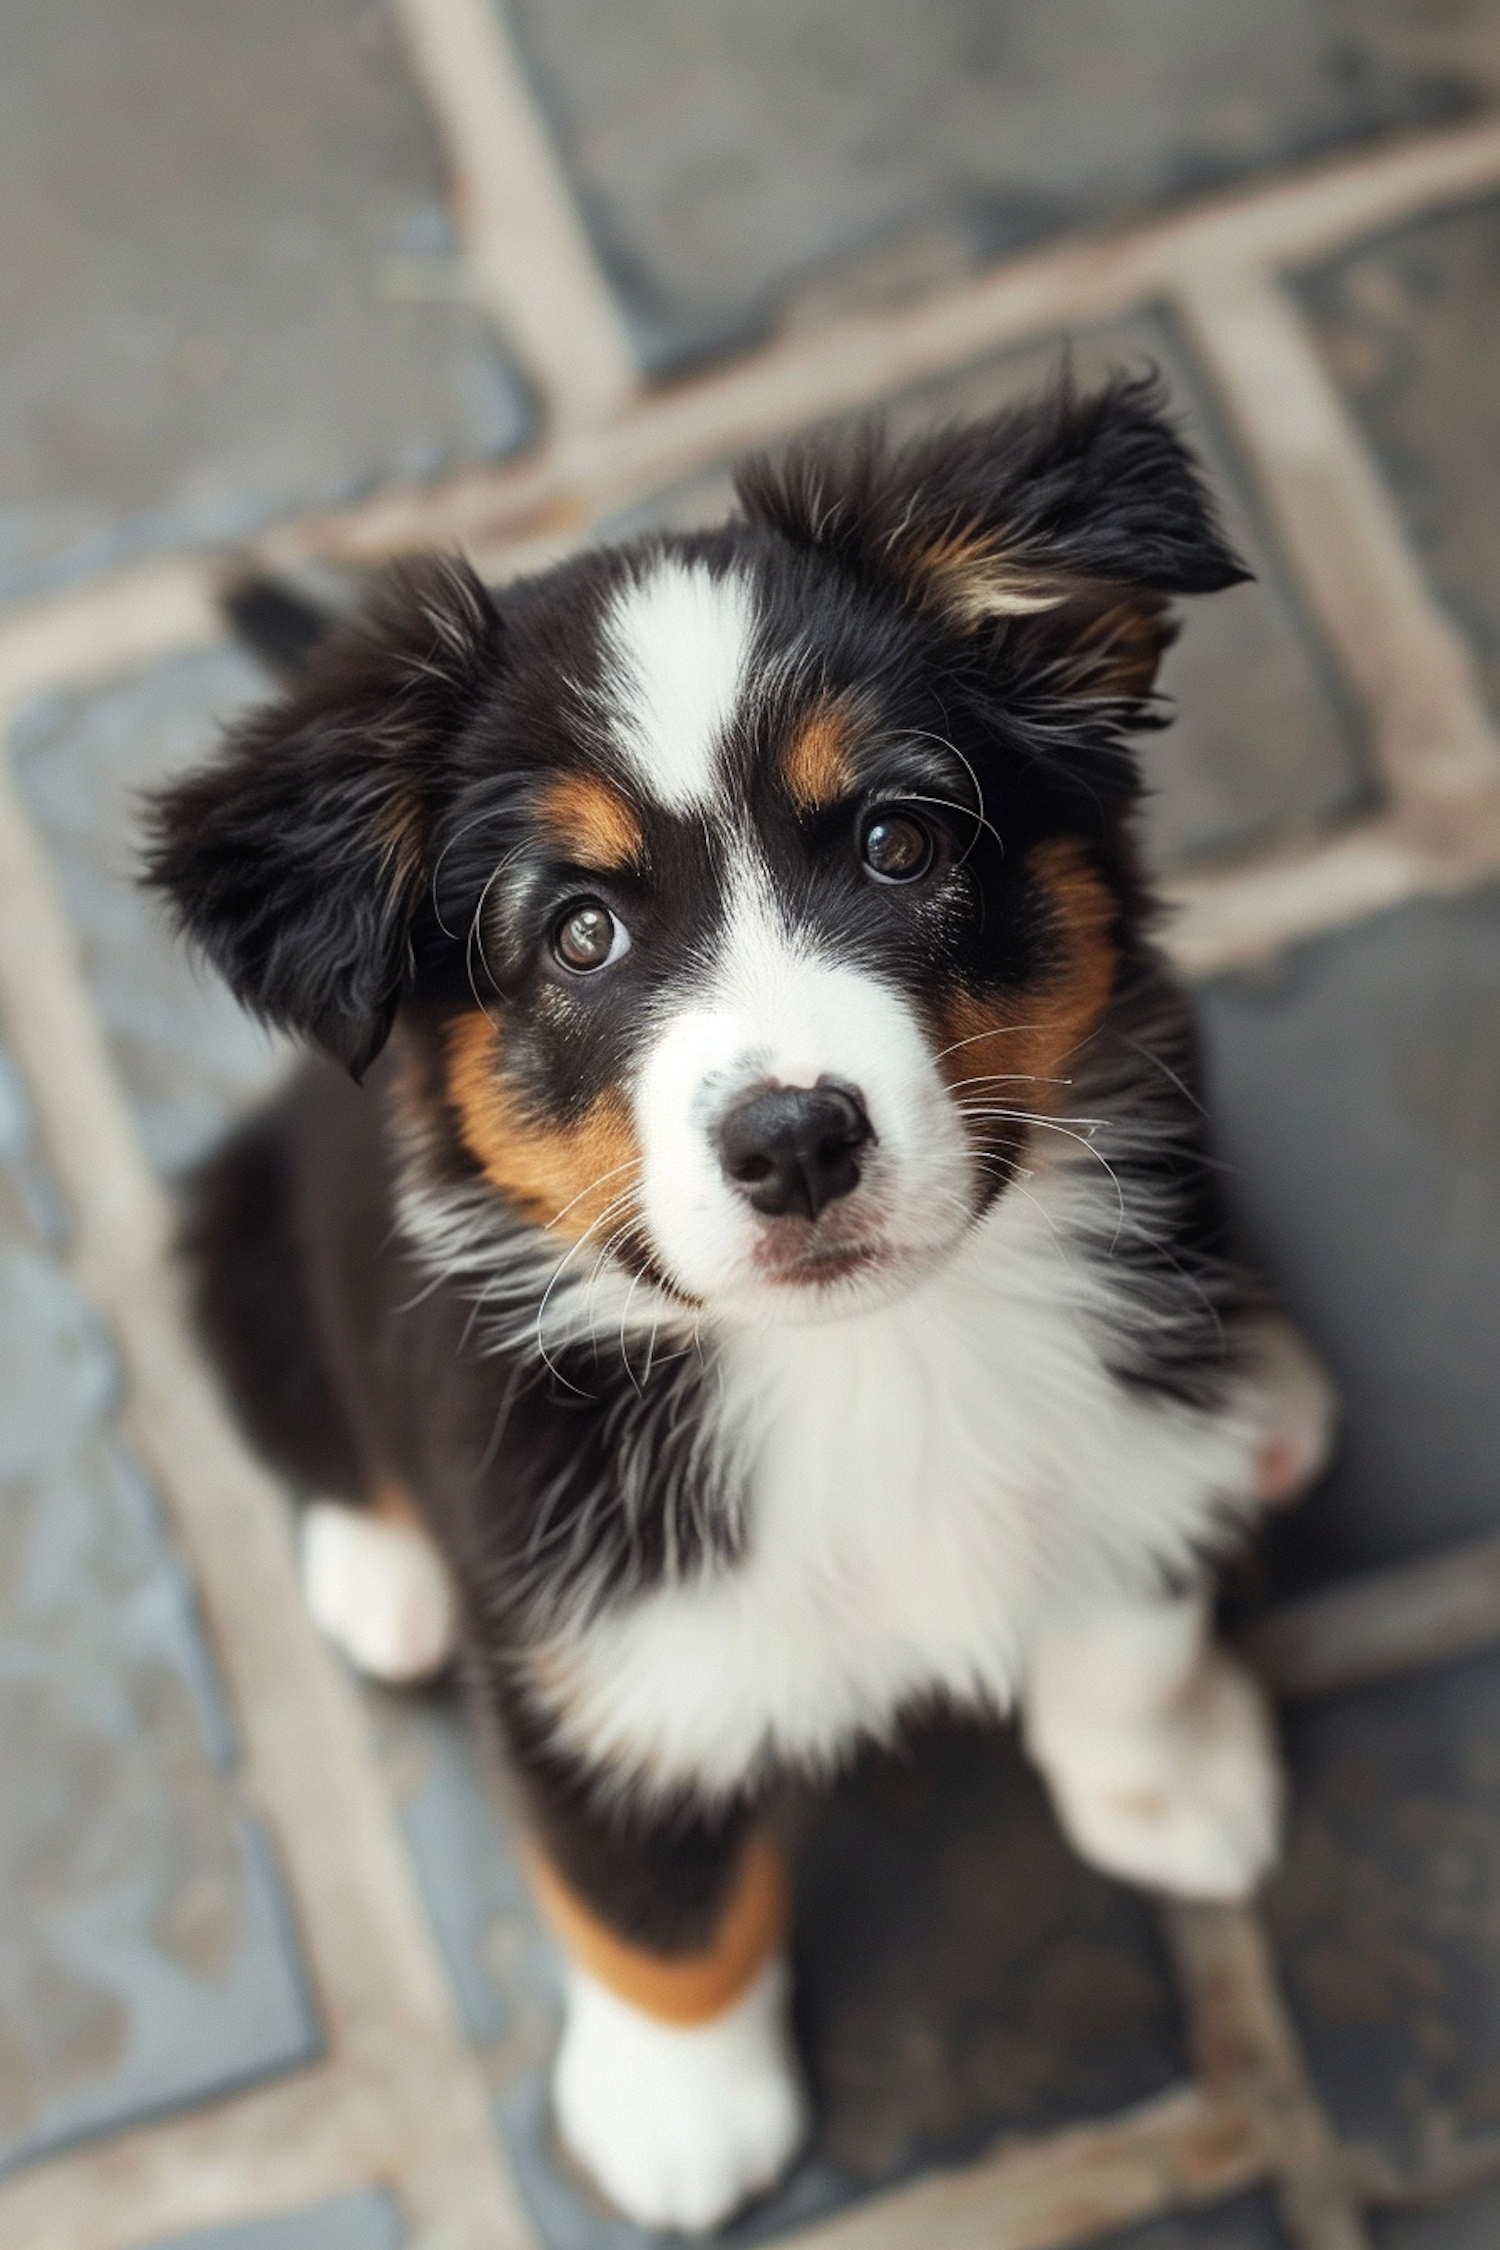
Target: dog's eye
[
  {"x": 896, "y": 847},
  {"x": 588, "y": 936}
]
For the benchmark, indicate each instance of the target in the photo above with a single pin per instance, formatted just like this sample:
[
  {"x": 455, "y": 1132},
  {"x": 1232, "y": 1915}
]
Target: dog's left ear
[
  {"x": 300, "y": 861},
  {"x": 1085, "y": 511}
]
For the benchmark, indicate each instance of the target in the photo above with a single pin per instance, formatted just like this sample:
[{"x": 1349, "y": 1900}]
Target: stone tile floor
[
  {"x": 147, "y": 1950},
  {"x": 221, "y": 293},
  {"x": 368, "y": 2221},
  {"x": 244, "y": 289},
  {"x": 727, "y": 155},
  {"x": 1410, "y": 324},
  {"x": 1248, "y": 2223}
]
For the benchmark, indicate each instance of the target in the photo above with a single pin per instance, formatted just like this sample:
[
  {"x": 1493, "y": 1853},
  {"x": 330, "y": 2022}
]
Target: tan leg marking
[{"x": 677, "y": 1988}]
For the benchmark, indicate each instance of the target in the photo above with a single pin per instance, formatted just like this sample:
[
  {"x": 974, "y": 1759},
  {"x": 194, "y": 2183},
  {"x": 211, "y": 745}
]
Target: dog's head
[{"x": 743, "y": 895}]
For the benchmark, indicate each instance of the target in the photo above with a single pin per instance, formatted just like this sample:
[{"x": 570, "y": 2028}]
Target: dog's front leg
[
  {"x": 1156, "y": 1746},
  {"x": 676, "y": 2086}
]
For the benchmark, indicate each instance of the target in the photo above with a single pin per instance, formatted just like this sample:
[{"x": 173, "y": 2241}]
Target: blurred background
[{"x": 301, "y": 284}]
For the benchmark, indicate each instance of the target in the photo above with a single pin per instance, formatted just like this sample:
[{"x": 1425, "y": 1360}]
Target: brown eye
[
  {"x": 589, "y": 937},
  {"x": 897, "y": 848}
]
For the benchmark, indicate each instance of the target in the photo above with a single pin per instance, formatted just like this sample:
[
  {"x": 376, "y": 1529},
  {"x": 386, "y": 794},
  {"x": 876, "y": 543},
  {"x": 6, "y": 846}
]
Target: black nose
[{"x": 793, "y": 1148}]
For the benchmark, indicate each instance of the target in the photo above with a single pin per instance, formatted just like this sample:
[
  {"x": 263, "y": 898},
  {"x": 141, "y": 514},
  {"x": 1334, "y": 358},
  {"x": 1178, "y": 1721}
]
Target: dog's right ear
[{"x": 299, "y": 861}]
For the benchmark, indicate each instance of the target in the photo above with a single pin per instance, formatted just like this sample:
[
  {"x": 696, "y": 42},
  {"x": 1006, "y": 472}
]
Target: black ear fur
[
  {"x": 1013, "y": 516},
  {"x": 276, "y": 624},
  {"x": 299, "y": 861}
]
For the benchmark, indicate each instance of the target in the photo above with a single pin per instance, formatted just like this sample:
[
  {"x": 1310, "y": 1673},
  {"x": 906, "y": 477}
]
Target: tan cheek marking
[
  {"x": 562, "y": 1176},
  {"x": 590, "y": 822},
  {"x": 995, "y": 1047},
  {"x": 677, "y": 1988},
  {"x": 817, "y": 761}
]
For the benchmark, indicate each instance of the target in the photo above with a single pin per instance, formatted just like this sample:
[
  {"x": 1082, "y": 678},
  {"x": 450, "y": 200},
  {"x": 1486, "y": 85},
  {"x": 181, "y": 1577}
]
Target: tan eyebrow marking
[
  {"x": 817, "y": 762},
  {"x": 591, "y": 821}
]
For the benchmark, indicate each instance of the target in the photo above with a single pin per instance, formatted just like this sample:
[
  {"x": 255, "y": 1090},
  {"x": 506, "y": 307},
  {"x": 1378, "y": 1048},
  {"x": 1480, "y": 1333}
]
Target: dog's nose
[{"x": 795, "y": 1148}]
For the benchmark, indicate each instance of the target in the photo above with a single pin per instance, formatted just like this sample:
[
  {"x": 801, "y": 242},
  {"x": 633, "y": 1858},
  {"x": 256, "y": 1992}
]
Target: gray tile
[
  {"x": 367, "y": 2221},
  {"x": 463, "y": 1835},
  {"x": 1385, "y": 1915},
  {"x": 146, "y": 1955},
  {"x": 724, "y": 153},
  {"x": 189, "y": 1056},
  {"x": 1410, "y": 324},
  {"x": 1356, "y": 1096},
  {"x": 1248, "y": 2223},
  {"x": 1466, "y": 2222},
  {"x": 216, "y": 218},
  {"x": 1262, "y": 742},
  {"x": 962, "y": 1974}
]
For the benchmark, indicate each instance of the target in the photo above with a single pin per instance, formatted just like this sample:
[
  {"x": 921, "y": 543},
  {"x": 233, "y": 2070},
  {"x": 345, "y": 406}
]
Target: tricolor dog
[{"x": 746, "y": 1265}]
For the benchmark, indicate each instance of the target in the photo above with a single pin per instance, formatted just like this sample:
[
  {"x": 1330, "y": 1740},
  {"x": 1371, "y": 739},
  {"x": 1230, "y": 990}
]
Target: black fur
[
  {"x": 299, "y": 862},
  {"x": 281, "y": 627},
  {"x": 252, "y": 1255},
  {"x": 1080, "y": 490}
]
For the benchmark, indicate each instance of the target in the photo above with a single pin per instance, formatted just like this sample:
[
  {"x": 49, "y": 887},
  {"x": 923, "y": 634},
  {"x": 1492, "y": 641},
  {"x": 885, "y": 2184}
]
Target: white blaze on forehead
[{"x": 680, "y": 638}]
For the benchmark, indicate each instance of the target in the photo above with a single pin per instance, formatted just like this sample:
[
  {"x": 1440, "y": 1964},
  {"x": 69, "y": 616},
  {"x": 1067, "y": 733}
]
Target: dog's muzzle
[{"x": 795, "y": 1148}]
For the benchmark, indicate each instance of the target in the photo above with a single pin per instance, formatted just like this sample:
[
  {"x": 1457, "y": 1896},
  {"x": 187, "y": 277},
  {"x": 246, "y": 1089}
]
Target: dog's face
[{"x": 742, "y": 896}]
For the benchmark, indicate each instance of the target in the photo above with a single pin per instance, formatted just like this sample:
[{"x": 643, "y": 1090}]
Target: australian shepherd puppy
[{"x": 747, "y": 1265}]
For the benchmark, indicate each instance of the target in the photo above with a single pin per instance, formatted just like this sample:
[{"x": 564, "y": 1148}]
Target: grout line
[
  {"x": 1187, "y": 2146},
  {"x": 275, "y": 2149},
  {"x": 307, "y": 1759},
  {"x": 1246, "y": 2047},
  {"x": 153, "y": 610},
  {"x": 509, "y": 514},
  {"x": 1225, "y": 918},
  {"x": 1431, "y": 734},
  {"x": 853, "y": 363},
  {"x": 1294, "y": 221},
  {"x": 512, "y": 516},
  {"x": 532, "y": 266},
  {"x": 679, "y": 428},
  {"x": 1382, "y": 1623}
]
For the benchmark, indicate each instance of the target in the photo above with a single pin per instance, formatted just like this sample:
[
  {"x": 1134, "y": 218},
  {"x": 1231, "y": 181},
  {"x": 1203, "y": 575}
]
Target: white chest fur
[{"x": 928, "y": 1482}]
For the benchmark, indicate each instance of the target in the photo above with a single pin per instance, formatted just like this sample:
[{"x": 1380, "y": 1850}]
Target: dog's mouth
[
  {"x": 847, "y": 1245},
  {"x": 815, "y": 1263}
]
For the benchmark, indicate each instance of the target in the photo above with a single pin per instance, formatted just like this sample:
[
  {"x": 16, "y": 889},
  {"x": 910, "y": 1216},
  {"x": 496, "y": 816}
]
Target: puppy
[{"x": 752, "y": 1221}]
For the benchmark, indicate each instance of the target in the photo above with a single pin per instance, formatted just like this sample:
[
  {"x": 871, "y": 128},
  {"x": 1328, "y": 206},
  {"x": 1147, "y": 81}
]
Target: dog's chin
[{"x": 793, "y": 1278}]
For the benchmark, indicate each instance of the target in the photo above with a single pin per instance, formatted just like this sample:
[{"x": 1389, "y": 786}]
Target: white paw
[
  {"x": 1187, "y": 1801},
  {"x": 679, "y": 2125},
  {"x": 1300, "y": 1409},
  {"x": 377, "y": 1586}
]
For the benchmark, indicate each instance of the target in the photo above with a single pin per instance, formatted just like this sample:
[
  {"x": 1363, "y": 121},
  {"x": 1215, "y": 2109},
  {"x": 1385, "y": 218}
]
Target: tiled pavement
[{"x": 269, "y": 1979}]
